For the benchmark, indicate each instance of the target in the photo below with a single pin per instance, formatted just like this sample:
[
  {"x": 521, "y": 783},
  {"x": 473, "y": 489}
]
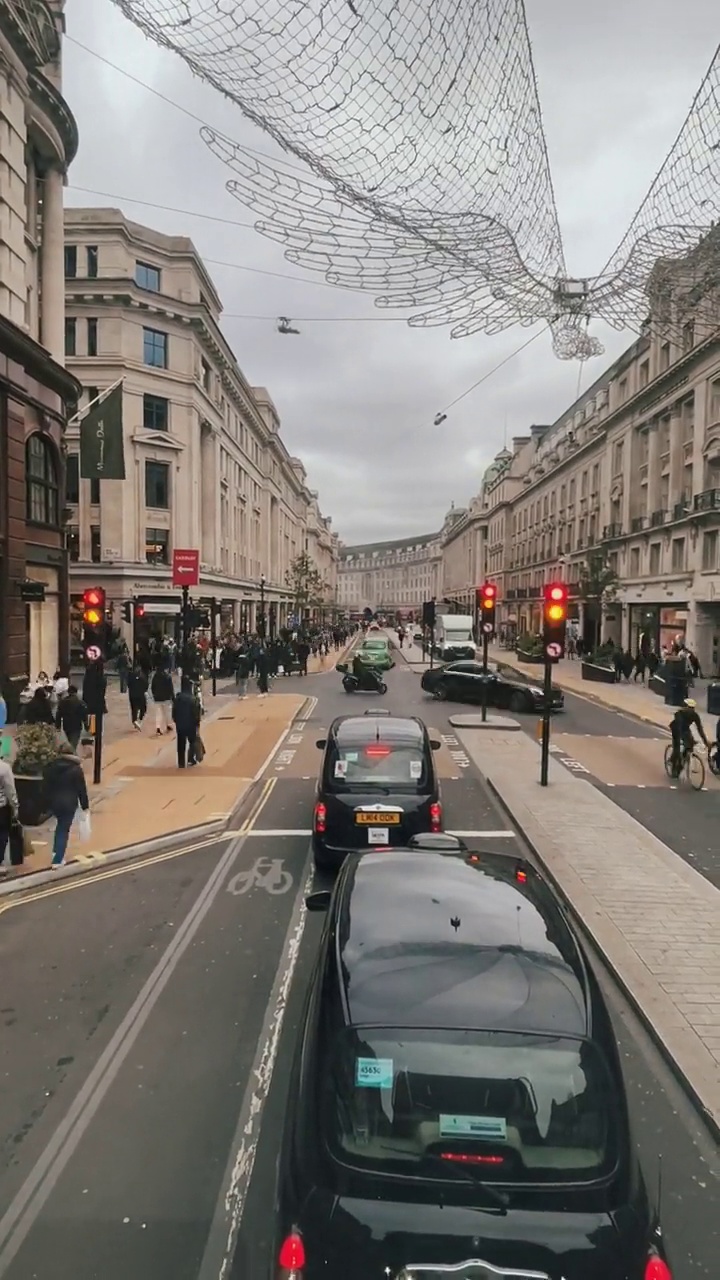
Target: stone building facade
[{"x": 391, "y": 577}]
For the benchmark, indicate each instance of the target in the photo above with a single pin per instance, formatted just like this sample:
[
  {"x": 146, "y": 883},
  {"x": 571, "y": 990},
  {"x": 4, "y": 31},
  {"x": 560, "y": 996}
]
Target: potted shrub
[
  {"x": 36, "y": 745},
  {"x": 599, "y": 666},
  {"x": 530, "y": 649}
]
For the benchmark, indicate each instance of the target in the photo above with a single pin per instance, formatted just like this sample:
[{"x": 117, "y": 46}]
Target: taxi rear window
[{"x": 396, "y": 764}]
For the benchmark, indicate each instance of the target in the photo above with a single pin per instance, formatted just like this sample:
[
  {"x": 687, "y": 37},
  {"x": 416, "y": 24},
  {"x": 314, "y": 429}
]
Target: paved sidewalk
[
  {"x": 634, "y": 699},
  {"x": 654, "y": 918}
]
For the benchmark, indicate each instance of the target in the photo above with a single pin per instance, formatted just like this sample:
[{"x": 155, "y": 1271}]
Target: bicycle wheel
[
  {"x": 714, "y": 761},
  {"x": 695, "y": 771},
  {"x": 668, "y": 761}
]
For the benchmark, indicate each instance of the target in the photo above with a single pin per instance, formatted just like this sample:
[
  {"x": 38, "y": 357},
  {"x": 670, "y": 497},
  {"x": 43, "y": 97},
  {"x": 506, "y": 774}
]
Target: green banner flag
[{"x": 102, "y": 455}]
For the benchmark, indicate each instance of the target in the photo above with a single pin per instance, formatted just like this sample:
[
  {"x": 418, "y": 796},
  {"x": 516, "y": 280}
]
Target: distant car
[
  {"x": 418, "y": 637},
  {"x": 457, "y": 1109},
  {"x": 463, "y": 682},
  {"x": 376, "y": 653},
  {"x": 378, "y": 785}
]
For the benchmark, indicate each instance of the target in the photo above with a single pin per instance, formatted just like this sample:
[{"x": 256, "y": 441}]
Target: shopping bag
[
  {"x": 281, "y": 669},
  {"x": 17, "y": 845},
  {"x": 199, "y": 749},
  {"x": 84, "y": 825},
  {"x": 87, "y": 745}
]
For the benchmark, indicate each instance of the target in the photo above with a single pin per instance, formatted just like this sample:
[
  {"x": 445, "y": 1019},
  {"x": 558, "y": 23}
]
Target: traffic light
[
  {"x": 486, "y": 601},
  {"x": 555, "y": 611},
  {"x": 94, "y": 607}
]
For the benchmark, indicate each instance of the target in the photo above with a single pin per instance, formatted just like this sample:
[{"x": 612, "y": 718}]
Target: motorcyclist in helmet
[{"x": 686, "y": 719}]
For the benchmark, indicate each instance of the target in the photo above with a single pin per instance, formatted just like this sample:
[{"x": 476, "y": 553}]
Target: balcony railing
[
  {"x": 614, "y": 530},
  {"x": 638, "y": 523},
  {"x": 681, "y": 509},
  {"x": 533, "y": 593},
  {"x": 511, "y": 593},
  {"x": 657, "y": 518},
  {"x": 522, "y": 593},
  {"x": 709, "y": 500}
]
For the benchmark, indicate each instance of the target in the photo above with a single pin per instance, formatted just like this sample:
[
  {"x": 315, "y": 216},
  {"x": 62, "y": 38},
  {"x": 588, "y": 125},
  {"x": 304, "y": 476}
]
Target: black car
[
  {"x": 456, "y": 1103},
  {"x": 378, "y": 786},
  {"x": 463, "y": 682}
]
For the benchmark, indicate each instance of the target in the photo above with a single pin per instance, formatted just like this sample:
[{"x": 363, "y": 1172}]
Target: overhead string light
[{"x": 428, "y": 181}]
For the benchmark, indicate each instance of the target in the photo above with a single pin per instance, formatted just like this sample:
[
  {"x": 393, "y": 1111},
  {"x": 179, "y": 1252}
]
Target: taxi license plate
[{"x": 378, "y": 819}]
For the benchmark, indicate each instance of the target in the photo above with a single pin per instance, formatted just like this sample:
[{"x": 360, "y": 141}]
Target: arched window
[{"x": 41, "y": 481}]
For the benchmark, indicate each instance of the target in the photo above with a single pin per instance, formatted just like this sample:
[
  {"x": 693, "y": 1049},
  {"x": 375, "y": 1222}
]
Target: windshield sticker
[
  {"x": 341, "y": 768},
  {"x": 374, "y": 1073},
  {"x": 352, "y": 757},
  {"x": 415, "y": 769},
  {"x": 486, "y": 1128}
]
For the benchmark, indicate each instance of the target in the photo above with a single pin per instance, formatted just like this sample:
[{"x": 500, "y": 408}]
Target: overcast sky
[{"x": 356, "y": 392}]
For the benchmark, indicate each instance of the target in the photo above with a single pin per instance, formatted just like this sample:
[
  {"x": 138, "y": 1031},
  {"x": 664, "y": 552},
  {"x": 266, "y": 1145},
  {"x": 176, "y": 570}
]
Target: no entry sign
[{"x": 186, "y": 568}]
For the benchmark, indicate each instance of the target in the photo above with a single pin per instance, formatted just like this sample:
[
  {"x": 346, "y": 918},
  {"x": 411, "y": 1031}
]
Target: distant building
[
  {"x": 390, "y": 576},
  {"x": 38, "y": 141}
]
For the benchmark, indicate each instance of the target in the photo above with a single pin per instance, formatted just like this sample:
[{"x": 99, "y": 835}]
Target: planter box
[
  {"x": 30, "y": 800},
  {"x": 535, "y": 659},
  {"x": 600, "y": 675},
  {"x": 656, "y": 684}
]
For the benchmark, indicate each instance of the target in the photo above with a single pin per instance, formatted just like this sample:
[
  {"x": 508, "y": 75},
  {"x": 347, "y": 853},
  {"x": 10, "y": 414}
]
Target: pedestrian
[
  {"x": 65, "y": 792},
  {"x": 72, "y": 716},
  {"x": 262, "y": 666},
  {"x": 186, "y": 714},
  {"x": 8, "y": 807},
  {"x": 137, "y": 696},
  {"x": 640, "y": 667},
  {"x": 39, "y": 709},
  {"x": 163, "y": 692},
  {"x": 242, "y": 674}
]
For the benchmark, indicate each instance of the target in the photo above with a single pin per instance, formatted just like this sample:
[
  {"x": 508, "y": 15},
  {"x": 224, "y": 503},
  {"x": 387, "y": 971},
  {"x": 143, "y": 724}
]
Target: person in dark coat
[
  {"x": 186, "y": 714},
  {"x": 39, "y": 709},
  {"x": 72, "y": 716},
  {"x": 163, "y": 692},
  {"x": 137, "y": 696},
  {"x": 262, "y": 666},
  {"x": 65, "y": 791}
]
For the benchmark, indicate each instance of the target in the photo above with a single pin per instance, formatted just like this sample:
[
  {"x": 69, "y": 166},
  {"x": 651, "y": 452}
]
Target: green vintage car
[{"x": 376, "y": 652}]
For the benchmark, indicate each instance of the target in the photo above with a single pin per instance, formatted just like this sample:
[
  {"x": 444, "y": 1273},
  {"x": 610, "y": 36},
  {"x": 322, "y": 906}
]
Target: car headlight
[{"x": 537, "y": 693}]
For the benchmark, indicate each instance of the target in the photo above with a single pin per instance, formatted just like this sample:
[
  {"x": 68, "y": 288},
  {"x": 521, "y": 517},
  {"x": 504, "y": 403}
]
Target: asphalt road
[{"x": 148, "y": 1020}]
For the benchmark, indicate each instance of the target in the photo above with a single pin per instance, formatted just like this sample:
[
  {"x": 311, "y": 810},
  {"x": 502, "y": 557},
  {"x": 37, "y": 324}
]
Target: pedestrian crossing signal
[{"x": 555, "y": 610}]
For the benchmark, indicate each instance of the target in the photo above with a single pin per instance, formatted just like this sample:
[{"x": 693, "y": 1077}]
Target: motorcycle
[{"x": 370, "y": 682}]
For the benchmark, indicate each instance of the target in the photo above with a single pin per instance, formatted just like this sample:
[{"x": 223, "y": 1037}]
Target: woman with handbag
[{"x": 8, "y": 808}]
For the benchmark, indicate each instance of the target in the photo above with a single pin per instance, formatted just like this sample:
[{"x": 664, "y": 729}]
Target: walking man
[
  {"x": 137, "y": 696},
  {"x": 186, "y": 714},
  {"x": 72, "y": 716},
  {"x": 163, "y": 692},
  {"x": 242, "y": 674}
]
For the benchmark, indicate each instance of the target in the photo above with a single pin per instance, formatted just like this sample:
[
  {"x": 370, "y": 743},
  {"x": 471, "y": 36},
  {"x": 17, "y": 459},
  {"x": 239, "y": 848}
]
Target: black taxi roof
[
  {"x": 435, "y": 940},
  {"x": 387, "y": 728}
]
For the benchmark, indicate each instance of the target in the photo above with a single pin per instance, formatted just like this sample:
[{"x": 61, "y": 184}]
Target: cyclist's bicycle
[{"x": 691, "y": 767}]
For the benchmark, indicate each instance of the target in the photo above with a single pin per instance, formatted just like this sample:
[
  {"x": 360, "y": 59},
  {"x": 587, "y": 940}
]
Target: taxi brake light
[
  {"x": 435, "y": 817},
  {"x": 458, "y": 1157},
  {"x": 656, "y": 1269},
  {"x": 320, "y": 818},
  {"x": 292, "y": 1254},
  {"x": 377, "y": 751}
]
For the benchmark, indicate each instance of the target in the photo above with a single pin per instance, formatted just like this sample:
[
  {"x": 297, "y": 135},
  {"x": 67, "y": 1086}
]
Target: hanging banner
[{"x": 102, "y": 454}]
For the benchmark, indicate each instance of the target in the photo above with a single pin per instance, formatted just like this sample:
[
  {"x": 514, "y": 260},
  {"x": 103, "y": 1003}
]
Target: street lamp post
[{"x": 261, "y": 628}]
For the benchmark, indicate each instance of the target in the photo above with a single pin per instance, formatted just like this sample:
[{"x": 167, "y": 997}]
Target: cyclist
[{"x": 686, "y": 719}]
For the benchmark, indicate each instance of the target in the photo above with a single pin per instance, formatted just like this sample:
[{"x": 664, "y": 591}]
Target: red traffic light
[
  {"x": 487, "y": 595},
  {"x": 555, "y": 593},
  {"x": 139, "y": 610},
  {"x": 94, "y": 606}
]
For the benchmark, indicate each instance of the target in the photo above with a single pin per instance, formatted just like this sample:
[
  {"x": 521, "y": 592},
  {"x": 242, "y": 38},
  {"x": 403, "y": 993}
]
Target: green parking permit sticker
[
  {"x": 486, "y": 1128},
  {"x": 374, "y": 1073}
]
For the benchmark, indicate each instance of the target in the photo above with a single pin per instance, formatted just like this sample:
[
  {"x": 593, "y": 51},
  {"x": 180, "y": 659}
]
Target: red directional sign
[{"x": 186, "y": 568}]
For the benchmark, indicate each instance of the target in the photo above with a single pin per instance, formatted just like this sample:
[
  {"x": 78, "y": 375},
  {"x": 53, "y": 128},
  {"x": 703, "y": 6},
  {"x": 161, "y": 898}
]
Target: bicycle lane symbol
[{"x": 265, "y": 873}]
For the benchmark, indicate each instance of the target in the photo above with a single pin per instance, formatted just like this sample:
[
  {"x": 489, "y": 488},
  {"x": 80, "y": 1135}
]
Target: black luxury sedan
[
  {"x": 456, "y": 1104},
  {"x": 463, "y": 682},
  {"x": 378, "y": 786}
]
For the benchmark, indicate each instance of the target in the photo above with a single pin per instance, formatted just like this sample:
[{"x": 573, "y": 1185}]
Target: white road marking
[
  {"x": 25, "y": 1207},
  {"x": 287, "y": 832},
  {"x": 238, "y": 1173},
  {"x": 489, "y": 835},
  {"x": 265, "y": 873}
]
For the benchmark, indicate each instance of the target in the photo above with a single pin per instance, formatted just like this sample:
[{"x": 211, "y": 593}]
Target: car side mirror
[
  {"x": 321, "y": 744},
  {"x": 319, "y": 901},
  {"x": 435, "y": 744}
]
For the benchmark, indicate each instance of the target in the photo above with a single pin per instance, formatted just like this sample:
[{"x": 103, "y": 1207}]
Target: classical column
[
  {"x": 653, "y": 489},
  {"x": 210, "y": 499},
  {"x": 52, "y": 267},
  {"x": 677, "y": 458}
]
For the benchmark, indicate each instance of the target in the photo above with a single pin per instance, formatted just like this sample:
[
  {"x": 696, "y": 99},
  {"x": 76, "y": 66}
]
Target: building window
[
  {"x": 644, "y": 373},
  {"x": 95, "y": 544},
  {"x": 95, "y": 492},
  {"x": 688, "y": 337},
  {"x": 156, "y": 546},
  {"x": 70, "y": 337},
  {"x": 157, "y": 485},
  {"x": 41, "y": 481},
  {"x": 73, "y": 544},
  {"x": 92, "y": 394},
  {"x": 155, "y": 413},
  {"x": 206, "y": 375},
  {"x": 72, "y": 478},
  {"x": 678, "y": 555},
  {"x": 710, "y": 550},
  {"x": 635, "y": 562},
  {"x": 147, "y": 277},
  {"x": 70, "y": 261},
  {"x": 155, "y": 348},
  {"x": 92, "y": 261},
  {"x": 664, "y": 357},
  {"x": 654, "y": 559},
  {"x": 92, "y": 337}
]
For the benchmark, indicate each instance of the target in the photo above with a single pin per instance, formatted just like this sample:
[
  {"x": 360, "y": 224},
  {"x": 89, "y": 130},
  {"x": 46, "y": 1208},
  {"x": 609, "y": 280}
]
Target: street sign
[
  {"x": 488, "y": 628},
  {"x": 93, "y": 653},
  {"x": 554, "y": 650},
  {"x": 186, "y": 568}
]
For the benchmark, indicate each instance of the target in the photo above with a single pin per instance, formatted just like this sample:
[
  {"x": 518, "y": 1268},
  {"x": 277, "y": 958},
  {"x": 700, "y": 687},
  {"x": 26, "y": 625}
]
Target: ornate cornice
[
  {"x": 31, "y": 29},
  {"x": 46, "y": 97}
]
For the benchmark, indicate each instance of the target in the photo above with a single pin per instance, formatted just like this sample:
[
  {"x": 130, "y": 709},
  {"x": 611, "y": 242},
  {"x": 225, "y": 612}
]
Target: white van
[{"x": 453, "y": 637}]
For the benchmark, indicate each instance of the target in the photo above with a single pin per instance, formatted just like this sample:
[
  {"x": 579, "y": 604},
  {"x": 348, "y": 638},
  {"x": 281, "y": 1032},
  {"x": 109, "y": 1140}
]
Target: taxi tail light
[
  {"x": 377, "y": 751},
  {"x": 292, "y": 1257},
  {"x": 657, "y": 1269},
  {"x": 521, "y": 875},
  {"x": 320, "y": 818},
  {"x": 435, "y": 817},
  {"x": 458, "y": 1157}
]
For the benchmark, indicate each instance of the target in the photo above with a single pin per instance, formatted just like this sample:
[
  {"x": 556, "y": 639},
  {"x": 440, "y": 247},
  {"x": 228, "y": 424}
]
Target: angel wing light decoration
[{"x": 425, "y": 177}]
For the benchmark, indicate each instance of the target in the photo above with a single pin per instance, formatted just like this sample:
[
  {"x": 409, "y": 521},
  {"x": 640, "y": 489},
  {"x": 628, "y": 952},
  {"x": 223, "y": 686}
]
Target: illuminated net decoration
[{"x": 429, "y": 184}]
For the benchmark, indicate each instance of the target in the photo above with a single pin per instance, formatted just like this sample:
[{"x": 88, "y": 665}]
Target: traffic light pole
[
  {"x": 98, "y": 750},
  {"x": 213, "y": 643},
  {"x": 545, "y": 740},
  {"x": 185, "y": 612},
  {"x": 485, "y": 672}
]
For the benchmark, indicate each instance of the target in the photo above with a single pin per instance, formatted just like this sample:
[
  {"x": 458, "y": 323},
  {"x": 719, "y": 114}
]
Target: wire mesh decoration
[{"x": 425, "y": 178}]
